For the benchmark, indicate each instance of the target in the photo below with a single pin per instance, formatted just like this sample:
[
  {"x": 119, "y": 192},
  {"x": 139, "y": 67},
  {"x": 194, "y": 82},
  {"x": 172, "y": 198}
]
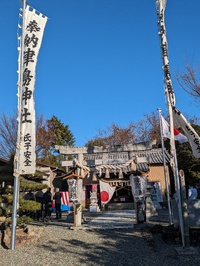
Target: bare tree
[
  {"x": 190, "y": 80},
  {"x": 8, "y": 135},
  {"x": 48, "y": 133},
  {"x": 144, "y": 130},
  {"x": 153, "y": 126},
  {"x": 114, "y": 135}
]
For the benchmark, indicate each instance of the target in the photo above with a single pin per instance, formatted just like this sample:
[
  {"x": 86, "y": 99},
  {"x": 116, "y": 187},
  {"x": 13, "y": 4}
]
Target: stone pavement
[
  {"x": 91, "y": 245},
  {"x": 116, "y": 219},
  {"x": 110, "y": 219}
]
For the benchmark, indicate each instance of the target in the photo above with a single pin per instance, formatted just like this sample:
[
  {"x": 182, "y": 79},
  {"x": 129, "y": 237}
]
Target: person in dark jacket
[
  {"x": 38, "y": 198},
  {"x": 57, "y": 198},
  {"x": 47, "y": 201},
  {"x": 29, "y": 196}
]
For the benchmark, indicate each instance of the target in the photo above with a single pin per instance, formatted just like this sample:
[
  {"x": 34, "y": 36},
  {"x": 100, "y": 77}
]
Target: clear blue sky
[{"x": 100, "y": 60}]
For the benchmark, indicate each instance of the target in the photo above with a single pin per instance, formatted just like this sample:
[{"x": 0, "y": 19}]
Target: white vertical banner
[
  {"x": 166, "y": 133},
  {"x": 32, "y": 33},
  {"x": 160, "y": 6},
  {"x": 189, "y": 131}
]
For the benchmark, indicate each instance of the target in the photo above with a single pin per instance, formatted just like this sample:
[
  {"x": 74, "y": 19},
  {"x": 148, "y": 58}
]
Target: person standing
[
  {"x": 29, "y": 196},
  {"x": 38, "y": 198},
  {"x": 47, "y": 201},
  {"x": 57, "y": 198}
]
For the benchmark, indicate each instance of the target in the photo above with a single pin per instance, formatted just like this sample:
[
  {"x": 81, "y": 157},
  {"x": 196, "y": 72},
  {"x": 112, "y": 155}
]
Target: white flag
[
  {"x": 177, "y": 134},
  {"x": 189, "y": 131},
  {"x": 106, "y": 192},
  {"x": 33, "y": 28}
]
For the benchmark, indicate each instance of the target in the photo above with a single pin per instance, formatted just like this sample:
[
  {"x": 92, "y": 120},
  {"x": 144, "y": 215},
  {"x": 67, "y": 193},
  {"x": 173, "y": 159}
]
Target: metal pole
[
  {"x": 16, "y": 166},
  {"x": 14, "y": 212},
  {"x": 165, "y": 169}
]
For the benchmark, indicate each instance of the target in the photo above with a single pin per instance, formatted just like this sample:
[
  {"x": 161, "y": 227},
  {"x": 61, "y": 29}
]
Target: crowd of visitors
[{"x": 45, "y": 199}]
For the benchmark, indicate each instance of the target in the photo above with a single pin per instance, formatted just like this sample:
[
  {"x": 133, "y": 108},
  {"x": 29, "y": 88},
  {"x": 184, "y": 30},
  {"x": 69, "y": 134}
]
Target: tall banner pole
[
  {"x": 174, "y": 165},
  {"x": 32, "y": 29},
  {"x": 16, "y": 159},
  {"x": 160, "y": 6},
  {"x": 165, "y": 169},
  {"x": 14, "y": 212}
]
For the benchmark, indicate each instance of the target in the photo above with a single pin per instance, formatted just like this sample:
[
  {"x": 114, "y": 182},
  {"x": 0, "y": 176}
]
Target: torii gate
[{"x": 109, "y": 159}]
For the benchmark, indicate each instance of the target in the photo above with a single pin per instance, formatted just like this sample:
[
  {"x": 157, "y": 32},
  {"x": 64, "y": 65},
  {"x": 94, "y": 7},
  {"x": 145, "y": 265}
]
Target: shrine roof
[{"x": 154, "y": 156}]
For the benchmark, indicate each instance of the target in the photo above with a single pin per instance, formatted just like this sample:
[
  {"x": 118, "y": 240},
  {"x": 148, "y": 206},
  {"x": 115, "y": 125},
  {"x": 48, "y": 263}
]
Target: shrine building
[{"x": 114, "y": 165}]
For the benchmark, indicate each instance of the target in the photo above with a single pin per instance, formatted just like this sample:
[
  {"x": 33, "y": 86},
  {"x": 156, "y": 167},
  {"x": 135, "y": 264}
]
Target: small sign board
[{"x": 93, "y": 208}]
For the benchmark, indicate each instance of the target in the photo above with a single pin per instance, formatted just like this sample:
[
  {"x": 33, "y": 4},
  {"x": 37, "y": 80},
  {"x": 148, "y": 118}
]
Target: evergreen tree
[{"x": 61, "y": 133}]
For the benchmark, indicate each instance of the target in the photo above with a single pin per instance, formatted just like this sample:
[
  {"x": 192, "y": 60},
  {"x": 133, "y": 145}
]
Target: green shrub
[
  {"x": 7, "y": 198},
  {"x": 28, "y": 205},
  {"x": 25, "y": 186},
  {"x": 27, "y": 210},
  {"x": 24, "y": 220},
  {"x": 7, "y": 211}
]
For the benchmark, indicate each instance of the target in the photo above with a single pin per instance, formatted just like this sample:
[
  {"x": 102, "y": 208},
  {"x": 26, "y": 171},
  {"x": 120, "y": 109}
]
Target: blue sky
[{"x": 100, "y": 60}]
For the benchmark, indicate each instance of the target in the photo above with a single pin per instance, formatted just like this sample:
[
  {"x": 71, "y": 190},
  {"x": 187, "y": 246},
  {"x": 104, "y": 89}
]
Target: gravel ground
[{"x": 60, "y": 245}]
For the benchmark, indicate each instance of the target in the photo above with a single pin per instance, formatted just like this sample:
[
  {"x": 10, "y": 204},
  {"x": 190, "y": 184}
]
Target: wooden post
[{"x": 77, "y": 214}]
